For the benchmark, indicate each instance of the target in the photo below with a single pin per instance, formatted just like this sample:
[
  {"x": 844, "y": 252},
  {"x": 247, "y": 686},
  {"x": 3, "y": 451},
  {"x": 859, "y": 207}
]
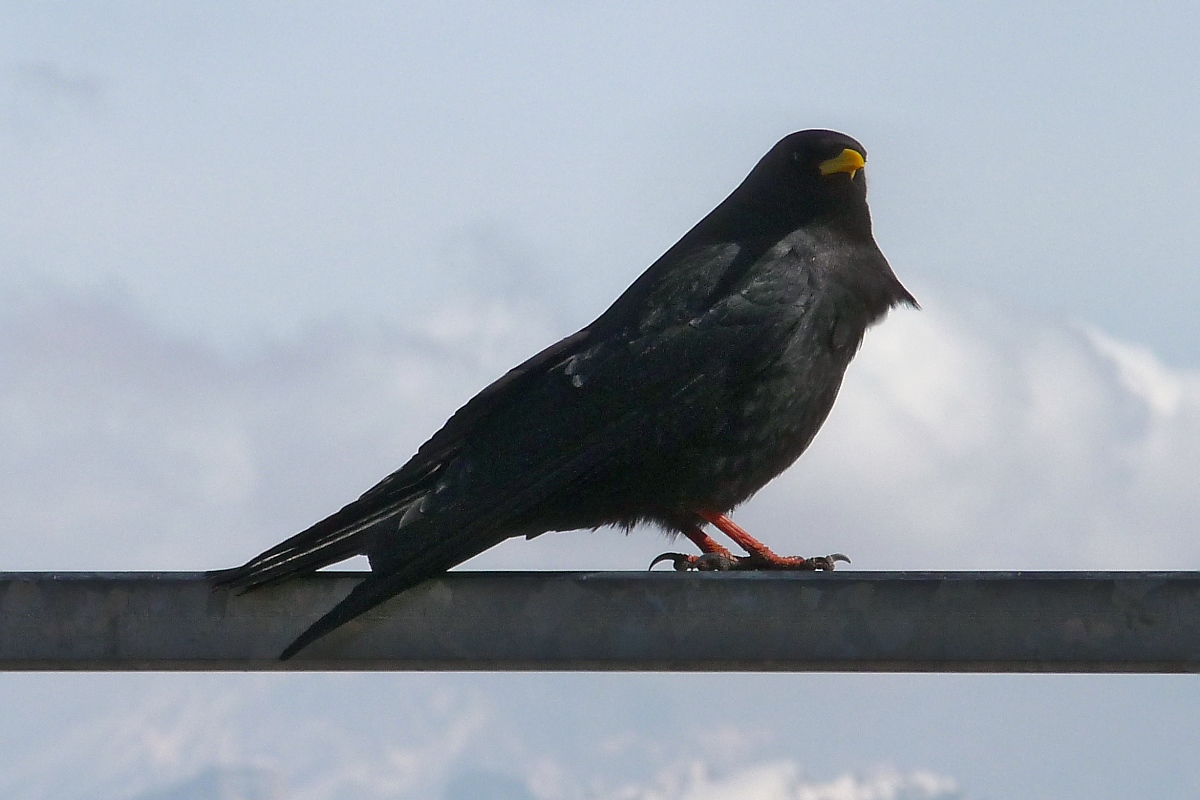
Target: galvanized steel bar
[{"x": 844, "y": 621}]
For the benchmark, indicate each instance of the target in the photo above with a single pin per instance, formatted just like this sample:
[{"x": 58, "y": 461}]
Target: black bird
[{"x": 707, "y": 378}]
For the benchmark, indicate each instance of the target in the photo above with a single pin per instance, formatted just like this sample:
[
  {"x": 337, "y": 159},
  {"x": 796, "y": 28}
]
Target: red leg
[
  {"x": 715, "y": 557},
  {"x": 761, "y": 556},
  {"x": 744, "y": 540},
  {"x": 702, "y": 540}
]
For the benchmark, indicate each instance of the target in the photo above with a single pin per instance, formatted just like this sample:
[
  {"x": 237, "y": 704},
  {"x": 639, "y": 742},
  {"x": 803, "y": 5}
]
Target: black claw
[
  {"x": 829, "y": 562},
  {"x": 680, "y": 561}
]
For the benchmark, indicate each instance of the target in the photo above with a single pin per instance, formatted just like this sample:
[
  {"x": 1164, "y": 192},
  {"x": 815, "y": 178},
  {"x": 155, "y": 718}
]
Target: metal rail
[{"x": 843, "y": 621}]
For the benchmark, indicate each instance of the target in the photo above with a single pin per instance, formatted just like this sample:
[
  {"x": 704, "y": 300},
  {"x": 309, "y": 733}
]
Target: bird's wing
[
  {"x": 490, "y": 401},
  {"x": 648, "y": 377},
  {"x": 654, "y": 382},
  {"x": 552, "y": 428},
  {"x": 672, "y": 299},
  {"x": 346, "y": 532}
]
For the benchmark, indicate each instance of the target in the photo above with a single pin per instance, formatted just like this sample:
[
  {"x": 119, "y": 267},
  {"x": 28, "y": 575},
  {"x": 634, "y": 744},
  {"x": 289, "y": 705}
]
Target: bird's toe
[
  {"x": 716, "y": 562},
  {"x": 680, "y": 562},
  {"x": 829, "y": 562}
]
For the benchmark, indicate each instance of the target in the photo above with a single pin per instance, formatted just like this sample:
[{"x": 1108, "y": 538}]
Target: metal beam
[{"x": 843, "y": 621}]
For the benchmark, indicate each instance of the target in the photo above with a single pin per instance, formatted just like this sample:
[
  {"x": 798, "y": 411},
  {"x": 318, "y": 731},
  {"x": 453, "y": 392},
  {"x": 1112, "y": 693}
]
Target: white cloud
[
  {"x": 984, "y": 440},
  {"x": 147, "y": 739},
  {"x": 972, "y": 439},
  {"x": 252, "y": 740},
  {"x": 290, "y": 737},
  {"x": 785, "y": 781},
  {"x": 962, "y": 439},
  {"x": 125, "y": 448}
]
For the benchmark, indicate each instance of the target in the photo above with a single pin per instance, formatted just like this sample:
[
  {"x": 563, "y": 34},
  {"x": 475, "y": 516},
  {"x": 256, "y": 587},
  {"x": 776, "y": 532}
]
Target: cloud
[
  {"x": 985, "y": 439},
  {"x": 330, "y": 737},
  {"x": 39, "y": 98},
  {"x": 770, "y": 781},
  {"x": 228, "y": 783},
  {"x": 784, "y": 781},
  {"x": 161, "y": 738},
  {"x": 966, "y": 437},
  {"x": 123, "y": 447},
  {"x": 50, "y": 82},
  {"x": 962, "y": 439}
]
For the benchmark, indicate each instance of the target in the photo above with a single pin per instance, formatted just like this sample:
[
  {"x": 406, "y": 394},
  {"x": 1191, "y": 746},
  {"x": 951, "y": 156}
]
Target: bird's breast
[{"x": 768, "y": 422}]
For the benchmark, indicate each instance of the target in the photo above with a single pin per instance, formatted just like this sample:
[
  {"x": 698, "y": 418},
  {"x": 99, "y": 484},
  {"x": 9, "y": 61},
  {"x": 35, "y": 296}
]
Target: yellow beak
[{"x": 846, "y": 161}]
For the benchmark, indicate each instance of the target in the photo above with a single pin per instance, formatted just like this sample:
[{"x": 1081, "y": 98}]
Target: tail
[
  {"x": 335, "y": 538},
  {"x": 434, "y": 558}
]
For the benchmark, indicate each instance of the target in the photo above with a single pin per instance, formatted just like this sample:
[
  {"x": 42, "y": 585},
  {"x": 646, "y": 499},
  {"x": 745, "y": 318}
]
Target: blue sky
[{"x": 252, "y": 254}]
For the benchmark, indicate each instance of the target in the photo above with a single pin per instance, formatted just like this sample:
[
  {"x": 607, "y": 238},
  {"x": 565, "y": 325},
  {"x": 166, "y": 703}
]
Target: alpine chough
[{"x": 704, "y": 380}]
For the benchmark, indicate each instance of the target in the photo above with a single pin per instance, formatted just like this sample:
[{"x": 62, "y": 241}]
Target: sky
[{"x": 252, "y": 255}]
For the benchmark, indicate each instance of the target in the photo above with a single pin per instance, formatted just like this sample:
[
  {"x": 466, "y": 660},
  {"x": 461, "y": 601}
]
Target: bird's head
[{"x": 813, "y": 174}]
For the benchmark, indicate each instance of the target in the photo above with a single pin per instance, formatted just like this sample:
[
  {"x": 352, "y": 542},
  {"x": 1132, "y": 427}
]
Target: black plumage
[{"x": 703, "y": 381}]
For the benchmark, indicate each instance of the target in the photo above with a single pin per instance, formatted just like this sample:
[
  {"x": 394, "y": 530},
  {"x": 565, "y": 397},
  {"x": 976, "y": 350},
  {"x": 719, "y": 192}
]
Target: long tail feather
[
  {"x": 381, "y": 586},
  {"x": 335, "y": 538}
]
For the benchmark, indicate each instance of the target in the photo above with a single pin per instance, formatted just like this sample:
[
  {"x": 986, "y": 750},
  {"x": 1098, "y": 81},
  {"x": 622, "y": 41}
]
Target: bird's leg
[
  {"x": 713, "y": 556},
  {"x": 762, "y": 557}
]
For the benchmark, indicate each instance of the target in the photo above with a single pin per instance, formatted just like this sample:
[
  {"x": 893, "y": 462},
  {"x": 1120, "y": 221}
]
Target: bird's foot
[
  {"x": 705, "y": 562},
  {"x": 762, "y": 557},
  {"x": 713, "y": 557},
  {"x": 770, "y": 561},
  {"x": 727, "y": 562}
]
